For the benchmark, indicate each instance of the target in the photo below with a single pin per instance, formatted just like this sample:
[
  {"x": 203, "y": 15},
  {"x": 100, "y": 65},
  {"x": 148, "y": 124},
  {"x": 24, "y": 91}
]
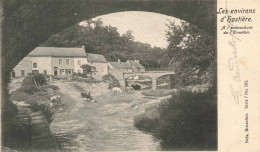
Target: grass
[
  {"x": 186, "y": 121},
  {"x": 147, "y": 121},
  {"x": 78, "y": 87},
  {"x": 33, "y": 95},
  {"x": 46, "y": 111},
  {"x": 53, "y": 87},
  {"x": 156, "y": 93},
  {"x": 29, "y": 89},
  {"x": 19, "y": 96}
]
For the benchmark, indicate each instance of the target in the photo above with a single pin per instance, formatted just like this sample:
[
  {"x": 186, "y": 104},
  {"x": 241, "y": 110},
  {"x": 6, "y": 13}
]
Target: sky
[{"x": 147, "y": 27}]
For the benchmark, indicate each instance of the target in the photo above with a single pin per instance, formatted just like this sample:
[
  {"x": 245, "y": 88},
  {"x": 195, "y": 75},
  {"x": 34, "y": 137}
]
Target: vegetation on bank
[
  {"x": 157, "y": 92},
  {"x": 35, "y": 89},
  {"x": 16, "y": 131},
  {"x": 186, "y": 121}
]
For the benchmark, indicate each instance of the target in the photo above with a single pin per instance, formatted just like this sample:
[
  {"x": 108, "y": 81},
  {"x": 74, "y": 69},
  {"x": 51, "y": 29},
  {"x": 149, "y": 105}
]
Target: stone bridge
[{"x": 151, "y": 74}]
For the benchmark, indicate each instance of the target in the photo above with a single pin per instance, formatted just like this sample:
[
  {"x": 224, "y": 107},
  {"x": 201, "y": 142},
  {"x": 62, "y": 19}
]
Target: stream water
[{"x": 104, "y": 126}]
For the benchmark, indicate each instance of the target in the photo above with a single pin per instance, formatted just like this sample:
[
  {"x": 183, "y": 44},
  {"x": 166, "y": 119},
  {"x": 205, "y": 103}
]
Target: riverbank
[
  {"x": 30, "y": 126},
  {"x": 33, "y": 131},
  {"x": 185, "y": 121}
]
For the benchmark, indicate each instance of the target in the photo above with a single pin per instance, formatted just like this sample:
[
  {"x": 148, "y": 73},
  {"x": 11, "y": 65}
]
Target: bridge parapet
[{"x": 152, "y": 74}]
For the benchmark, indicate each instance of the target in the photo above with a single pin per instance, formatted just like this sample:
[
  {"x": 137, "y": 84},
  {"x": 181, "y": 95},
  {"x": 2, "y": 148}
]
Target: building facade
[
  {"x": 130, "y": 66},
  {"x": 59, "y": 62},
  {"x": 66, "y": 61},
  {"x": 136, "y": 65},
  {"x": 22, "y": 68},
  {"x": 99, "y": 64}
]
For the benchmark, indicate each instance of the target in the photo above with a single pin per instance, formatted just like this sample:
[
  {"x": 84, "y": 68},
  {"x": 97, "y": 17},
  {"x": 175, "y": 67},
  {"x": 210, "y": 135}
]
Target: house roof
[
  {"x": 58, "y": 52},
  {"x": 96, "y": 58},
  {"x": 121, "y": 65},
  {"x": 136, "y": 64}
]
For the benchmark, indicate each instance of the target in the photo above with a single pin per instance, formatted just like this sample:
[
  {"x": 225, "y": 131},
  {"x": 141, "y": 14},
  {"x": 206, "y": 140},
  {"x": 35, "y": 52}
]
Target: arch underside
[{"x": 27, "y": 24}]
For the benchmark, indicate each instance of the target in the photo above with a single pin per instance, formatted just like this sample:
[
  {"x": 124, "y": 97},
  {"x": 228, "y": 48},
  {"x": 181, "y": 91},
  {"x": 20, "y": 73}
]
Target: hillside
[{"x": 107, "y": 41}]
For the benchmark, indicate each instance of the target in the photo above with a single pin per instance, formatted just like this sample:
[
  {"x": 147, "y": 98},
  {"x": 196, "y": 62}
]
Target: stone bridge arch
[
  {"x": 27, "y": 24},
  {"x": 152, "y": 74}
]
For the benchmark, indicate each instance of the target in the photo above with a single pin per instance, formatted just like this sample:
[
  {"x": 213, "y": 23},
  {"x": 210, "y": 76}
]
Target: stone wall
[{"x": 34, "y": 134}]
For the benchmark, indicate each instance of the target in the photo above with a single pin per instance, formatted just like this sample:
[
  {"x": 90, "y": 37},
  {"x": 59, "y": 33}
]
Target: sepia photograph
[{"x": 81, "y": 75}]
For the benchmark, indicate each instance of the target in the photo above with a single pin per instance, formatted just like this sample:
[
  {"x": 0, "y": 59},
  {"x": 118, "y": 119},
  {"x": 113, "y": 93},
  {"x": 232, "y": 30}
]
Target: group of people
[{"x": 55, "y": 100}]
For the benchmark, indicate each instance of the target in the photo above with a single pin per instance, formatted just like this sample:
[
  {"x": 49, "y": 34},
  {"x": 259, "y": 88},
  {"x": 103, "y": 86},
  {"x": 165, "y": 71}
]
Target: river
[{"x": 103, "y": 126}]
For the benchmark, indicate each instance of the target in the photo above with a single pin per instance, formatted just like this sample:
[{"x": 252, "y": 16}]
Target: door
[
  {"x": 13, "y": 73},
  {"x": 55, "y": 72}
]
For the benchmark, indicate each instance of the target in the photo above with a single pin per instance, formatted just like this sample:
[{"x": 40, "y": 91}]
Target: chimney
[
  {"x": 136, "y": 60},
  {"x": 83, "y": 47},
  {"x": 118, "y": 61}
]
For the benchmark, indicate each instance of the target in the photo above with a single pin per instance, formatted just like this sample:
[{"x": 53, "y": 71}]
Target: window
[
  {"x": 79, "y": 62},
  {"x": 62, "y": 71},
  {"x": 60, "y": 61},
  {"x": 68, "y": 71},
  {"x": 79, "y": 71},
  {"x": 67, "y": 61},
  {"x": 22, "y": 73},
  {"x": 45, "y": 72},
  {"x": 34, "y": 65}
]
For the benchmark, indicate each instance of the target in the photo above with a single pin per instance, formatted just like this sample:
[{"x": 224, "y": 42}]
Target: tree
[
  {"x": 106, "y": 40},
  {"x": 87, "y": 69},
  {"x": 192, "y": 52}
]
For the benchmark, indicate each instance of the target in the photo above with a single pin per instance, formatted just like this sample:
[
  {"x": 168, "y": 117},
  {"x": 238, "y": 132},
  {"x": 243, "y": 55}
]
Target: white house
[
  {"x": 99, "y": 63},
  {"x": 59, "y": 62},
  {"x": 56, "y": 61}
]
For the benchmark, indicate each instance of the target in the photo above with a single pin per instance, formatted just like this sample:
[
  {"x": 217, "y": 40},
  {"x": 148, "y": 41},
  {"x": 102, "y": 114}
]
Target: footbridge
[{"x": 151, "y": 74}]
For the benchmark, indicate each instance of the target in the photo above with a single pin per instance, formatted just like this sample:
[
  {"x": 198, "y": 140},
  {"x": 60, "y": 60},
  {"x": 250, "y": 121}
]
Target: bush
[
  {"x": 85, "y": 79},
  {"x": 80, "y": 75},
  {"x": 186, "y": 121},
  {"x": 30, "y": 89},
  {"x": 146, "y": 123},
  {"x": 34, "y": 79}
]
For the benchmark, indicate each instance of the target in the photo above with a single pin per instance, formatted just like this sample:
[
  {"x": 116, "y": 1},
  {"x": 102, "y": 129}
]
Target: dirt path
[{"x": 106, "y": 125}]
